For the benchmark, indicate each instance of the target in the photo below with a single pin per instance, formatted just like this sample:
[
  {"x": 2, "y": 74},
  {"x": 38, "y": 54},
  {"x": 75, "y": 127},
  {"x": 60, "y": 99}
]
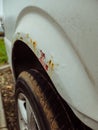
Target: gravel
[{"x": 7, "y": 89}]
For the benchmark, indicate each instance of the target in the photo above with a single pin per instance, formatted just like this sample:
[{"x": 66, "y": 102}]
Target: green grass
[{"x": 3, "y": 54}]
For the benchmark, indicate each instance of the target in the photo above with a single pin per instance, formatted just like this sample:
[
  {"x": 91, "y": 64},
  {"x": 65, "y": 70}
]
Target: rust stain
[
  {"x": 21, "y": 38},
  {"x": 42, "y": 60},
  {"x": 51, "y": 65},
  {"x": 48, "y": 66},
  {"x": 34, "y": 44}
]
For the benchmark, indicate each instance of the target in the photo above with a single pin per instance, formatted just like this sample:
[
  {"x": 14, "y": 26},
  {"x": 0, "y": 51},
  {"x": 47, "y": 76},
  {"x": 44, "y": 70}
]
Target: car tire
[{"x": 38, "y": 105}]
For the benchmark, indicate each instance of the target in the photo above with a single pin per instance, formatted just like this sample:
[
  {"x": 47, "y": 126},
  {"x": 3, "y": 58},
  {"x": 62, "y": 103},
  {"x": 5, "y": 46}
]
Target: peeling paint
[
  {"x": 42, "y": 60},
  {"x": 51, "y": 65},
  {"x": 47, "y": 64},
  {"x": 34, "y": 45}
]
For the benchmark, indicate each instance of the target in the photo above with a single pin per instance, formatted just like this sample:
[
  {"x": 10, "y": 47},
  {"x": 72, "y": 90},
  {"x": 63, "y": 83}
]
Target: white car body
[{"x": 66, "y": 32}]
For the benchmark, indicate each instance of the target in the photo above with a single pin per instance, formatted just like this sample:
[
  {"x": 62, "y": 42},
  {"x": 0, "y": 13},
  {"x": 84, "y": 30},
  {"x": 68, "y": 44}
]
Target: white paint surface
[{"x": 1, "y": 9}]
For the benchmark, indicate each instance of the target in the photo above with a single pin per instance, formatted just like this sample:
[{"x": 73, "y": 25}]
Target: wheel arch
[{"x": 23, "y": 58}]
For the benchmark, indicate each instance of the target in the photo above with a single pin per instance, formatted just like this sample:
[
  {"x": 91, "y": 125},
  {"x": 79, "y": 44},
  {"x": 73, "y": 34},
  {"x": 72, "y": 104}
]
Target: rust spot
[
  {"x": 42, "y": 60},
  {"x": 50, "y": 62},
  {"x": 21, "y": 38},
  {"x": 42, "y": 54},
  {"x": 34, "y": 44},
  {"x": 46, "y": 67},
  {"x": 51, "y": 65}
]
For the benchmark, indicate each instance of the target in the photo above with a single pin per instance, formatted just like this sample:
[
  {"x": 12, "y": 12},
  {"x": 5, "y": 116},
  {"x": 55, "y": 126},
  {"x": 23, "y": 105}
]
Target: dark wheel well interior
[{"x": 24, "y": 59}]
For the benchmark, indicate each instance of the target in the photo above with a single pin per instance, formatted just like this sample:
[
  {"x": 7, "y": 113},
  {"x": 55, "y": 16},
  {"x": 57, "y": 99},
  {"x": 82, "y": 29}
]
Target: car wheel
[{"x": 38, "y": 105}]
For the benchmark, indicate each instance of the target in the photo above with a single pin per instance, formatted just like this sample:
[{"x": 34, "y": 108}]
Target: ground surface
[{"x": 7, "y": 88}]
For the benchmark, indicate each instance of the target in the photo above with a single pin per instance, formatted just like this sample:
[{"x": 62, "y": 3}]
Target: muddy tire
[{"x": 38, "y": 105}]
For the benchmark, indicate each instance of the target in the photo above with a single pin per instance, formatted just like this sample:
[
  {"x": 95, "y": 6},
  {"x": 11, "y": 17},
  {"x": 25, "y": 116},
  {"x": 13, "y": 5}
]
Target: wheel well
[{"x": 24, "y": 59}]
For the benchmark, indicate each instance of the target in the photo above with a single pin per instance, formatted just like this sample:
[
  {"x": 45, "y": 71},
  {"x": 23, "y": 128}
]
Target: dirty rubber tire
[{"x": 47, "y": 106}]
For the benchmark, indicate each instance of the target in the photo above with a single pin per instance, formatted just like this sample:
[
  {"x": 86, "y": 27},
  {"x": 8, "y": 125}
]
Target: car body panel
[{"x": 66, "y": 32}]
